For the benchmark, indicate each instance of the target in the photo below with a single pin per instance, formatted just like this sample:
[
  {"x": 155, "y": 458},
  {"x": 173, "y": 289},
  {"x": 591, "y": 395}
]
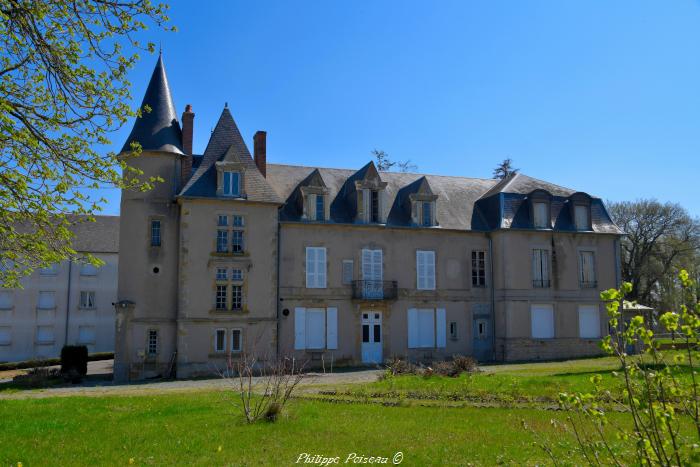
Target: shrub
[
  {"x": 395, "y": 366},
  {"x": 465, "y": 364},
  {"x": 74, "y": 359},
  {"x": 445, "y": 369},
  {"x": 40, "y": 376}
]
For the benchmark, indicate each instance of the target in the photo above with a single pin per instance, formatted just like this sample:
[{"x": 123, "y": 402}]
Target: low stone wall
[{"x": 546, "y": 349}]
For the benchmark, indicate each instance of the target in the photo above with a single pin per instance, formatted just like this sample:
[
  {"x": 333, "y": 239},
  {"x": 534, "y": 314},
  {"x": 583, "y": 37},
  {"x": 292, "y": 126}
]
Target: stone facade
[{"x": 233, "y": 256}]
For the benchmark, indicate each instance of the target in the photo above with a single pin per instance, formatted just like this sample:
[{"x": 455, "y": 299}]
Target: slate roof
[
  {"x": 456, "y": 195},
  {"x": 225, "y": 137},
  {"x": 462, "y": 204},
  {"x": 101, "y": 236},
  {"x": 159, "y": 129},
  {"x": 506, "y": 205}
]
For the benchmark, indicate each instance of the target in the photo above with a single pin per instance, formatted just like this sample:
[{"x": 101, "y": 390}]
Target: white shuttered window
[
  {"x": 581, "y": 217},
  {"x": 588, "y": 321},
  {"x": 587, "y": 265},
  {"x": 315, "y": 267},
  {"x": 315, "y": 328},
  {"x": 541, "y": 216},
  {"x": 47, "y": 300},
  {"x": 5, "y": 335},
  {"x": 427, "y": 328},
  {"x": 542, "y": 317},
  {"x": 425, "y": 269}
]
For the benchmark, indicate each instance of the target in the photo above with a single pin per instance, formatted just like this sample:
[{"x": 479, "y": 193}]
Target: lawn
[
  {"x": 503, "y": 385},
  {"x": 189, "y": 429},
  {"x": 473, "y": 419}
]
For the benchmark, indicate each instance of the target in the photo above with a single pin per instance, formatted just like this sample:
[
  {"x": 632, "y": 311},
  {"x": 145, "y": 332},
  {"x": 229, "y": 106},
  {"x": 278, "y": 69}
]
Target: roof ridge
[{"x": 381, "y": 172}]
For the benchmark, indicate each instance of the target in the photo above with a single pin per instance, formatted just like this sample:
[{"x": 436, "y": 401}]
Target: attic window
[
  {"x": 541, "y": 215},
  {"x": 320, "y": 208},
  {"x": 581, "y": 217},
  {"x": 427, "y": 214},
  {"x": 232, "y": 183},
  {"x": 374, "y": 206}
]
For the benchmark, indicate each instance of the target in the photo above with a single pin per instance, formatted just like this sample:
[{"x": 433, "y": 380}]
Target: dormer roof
[{"x": 159, "y": 129}]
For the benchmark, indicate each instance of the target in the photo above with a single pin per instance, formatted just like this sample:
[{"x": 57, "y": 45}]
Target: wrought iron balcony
[
  {"x": 541, "y": 284},
  {"x": 374, "y": 290}
]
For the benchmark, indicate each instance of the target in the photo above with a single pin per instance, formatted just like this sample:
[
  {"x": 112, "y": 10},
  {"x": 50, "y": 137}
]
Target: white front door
[
  {"x": 372, "y": 274},
  {"x": 371, "y": 337}
]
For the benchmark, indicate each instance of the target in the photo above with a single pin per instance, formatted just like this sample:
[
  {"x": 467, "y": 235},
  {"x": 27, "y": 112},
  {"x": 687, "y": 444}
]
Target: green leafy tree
[
  {"x": 658, "y": 391},
  {"x": 63, "y": 89}
]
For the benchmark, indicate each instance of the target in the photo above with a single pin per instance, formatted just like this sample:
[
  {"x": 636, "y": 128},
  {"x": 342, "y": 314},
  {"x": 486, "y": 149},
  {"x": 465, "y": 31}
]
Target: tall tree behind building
[
  {"x": 385, "y": 164},
  {"x": 661, "y": 239},
  {"x": 63, "y": 89},
  {"x": 504, "y": 169}
]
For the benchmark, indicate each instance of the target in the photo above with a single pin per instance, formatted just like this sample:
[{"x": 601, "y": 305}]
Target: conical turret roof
[{"x": 159, "y": 129}]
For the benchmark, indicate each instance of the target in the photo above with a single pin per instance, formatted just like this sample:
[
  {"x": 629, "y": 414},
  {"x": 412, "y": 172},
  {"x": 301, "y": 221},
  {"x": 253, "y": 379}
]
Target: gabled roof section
[
  {"x": 159, "y": 129},
  {"x": 400, "y": 213},
  {"x": 227, "y": 143},
  {"x": 314, "y": 179},
  {"x": 293, "y": 205},
  {"x": 423, "y": 186}
]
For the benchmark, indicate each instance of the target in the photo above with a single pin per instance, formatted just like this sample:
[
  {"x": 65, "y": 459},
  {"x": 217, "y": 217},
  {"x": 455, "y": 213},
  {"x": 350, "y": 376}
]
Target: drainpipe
[
  {"x": 70, "y": 267},
  {"x": 277, "y": 294},
  {"x": 493, "y": 299}
]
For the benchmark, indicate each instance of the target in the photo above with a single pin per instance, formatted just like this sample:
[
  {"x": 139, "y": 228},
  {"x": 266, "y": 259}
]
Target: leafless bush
[
  {"x": 396, "y": 366},
  {"x": 452, "y": 368},
  {"x": 465, "y": 364},
  {"x": 263, "y": 387}
]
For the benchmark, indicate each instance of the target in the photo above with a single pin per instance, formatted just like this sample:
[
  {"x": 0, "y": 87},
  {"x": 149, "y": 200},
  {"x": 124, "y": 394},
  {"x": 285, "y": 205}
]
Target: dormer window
[
  {"x": 230, "y": 179},
  {"x": 581, "y": 217},
  {"x": 320, "y": 208},
  {"x": 232, "y": 183},
  {"x": 580, "y": 211},
  {"x": 374, "y": 217},
  {"x": 541, "y": 215},
  {"x": 427, "y": 217}
]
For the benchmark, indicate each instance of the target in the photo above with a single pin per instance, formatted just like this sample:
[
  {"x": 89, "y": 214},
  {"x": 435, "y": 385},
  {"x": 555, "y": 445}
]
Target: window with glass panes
[
  {"x": 478, "y": 268},
  {"x": 229, "y": 283},
  {"x": 320, "y": 208},
  {"x": 237, "y": 241},
  {"x": 229, "y": 229},
  {"x": 155, "y": 233}
]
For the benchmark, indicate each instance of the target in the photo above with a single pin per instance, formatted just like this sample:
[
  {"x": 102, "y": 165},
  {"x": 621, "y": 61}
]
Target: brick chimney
[
  {"x": 187, "y": 135},
  {"x": 260, "y": 151}
]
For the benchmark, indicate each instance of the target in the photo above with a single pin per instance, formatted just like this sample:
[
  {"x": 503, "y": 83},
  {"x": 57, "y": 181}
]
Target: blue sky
[{"x": 598, "y": 96}]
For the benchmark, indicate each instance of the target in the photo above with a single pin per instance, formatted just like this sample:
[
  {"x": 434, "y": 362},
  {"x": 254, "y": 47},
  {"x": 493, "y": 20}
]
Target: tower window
[
  {"x": 152, "y": 342},
  {"x": 155, "y": 233}
]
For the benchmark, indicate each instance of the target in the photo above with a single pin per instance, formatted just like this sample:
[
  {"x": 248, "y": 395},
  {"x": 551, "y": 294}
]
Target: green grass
[
  {"x": 500, "y": 384},
  {"x": 188, "y": 429},
  {"x": 432, "y": 421}
]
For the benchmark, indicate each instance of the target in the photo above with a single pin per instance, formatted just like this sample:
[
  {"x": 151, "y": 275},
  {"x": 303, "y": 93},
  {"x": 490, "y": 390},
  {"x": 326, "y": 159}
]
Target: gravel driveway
[{"x": 97, "y": 387}]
